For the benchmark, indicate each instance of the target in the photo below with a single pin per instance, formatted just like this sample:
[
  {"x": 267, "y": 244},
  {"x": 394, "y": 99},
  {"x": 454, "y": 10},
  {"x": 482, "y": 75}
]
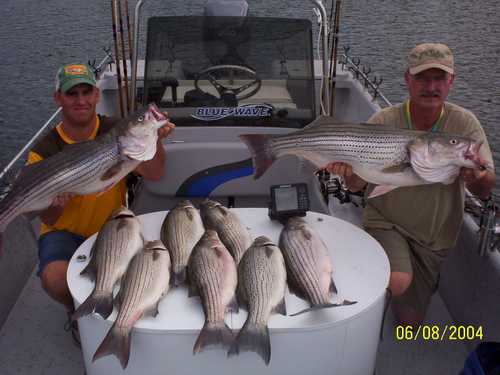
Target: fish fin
[
  {"x": 223, "y": 210},
  {"x": 262, "y": 155},
  {"x": 213, "y": 334},
  {"x": 99, "y": 302},
  {"x": 90, "y": 270},
  {"x": 280, "y": 308},
  {"x": 254, "y": 338},
  {"x": 295, "y": 289},
  {"x": 397, "y": 168},
  {"x": 192, "y": 290},
  {"x": 318, "y": 122},
  {"x": 233, "y": 305},
  {"x": 189, "y": 213},
  {"x": 118, "y": 301},
  {"x": 306, "y": 233},
  {"x": 154, "y": 311},
  {"x": 122, "y": 225},
  {"x": 116, "y": 342},
  {"x": 324, "y": 306},
  {"x": 332, "y": 288},
  {"x": 381, "y": 190},
  {"x": 112, "y": 171},
  {"x": 178, "y": 278}
]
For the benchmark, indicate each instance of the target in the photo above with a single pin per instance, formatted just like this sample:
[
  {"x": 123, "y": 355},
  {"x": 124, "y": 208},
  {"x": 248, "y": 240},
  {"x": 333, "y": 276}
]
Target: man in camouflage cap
[{"x": 418, "y": 225}]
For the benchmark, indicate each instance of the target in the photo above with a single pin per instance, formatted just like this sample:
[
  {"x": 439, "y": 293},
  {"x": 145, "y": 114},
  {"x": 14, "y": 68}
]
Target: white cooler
[{"x": 340, "y": 340}]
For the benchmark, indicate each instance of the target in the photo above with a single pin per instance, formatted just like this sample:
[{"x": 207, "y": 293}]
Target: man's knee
[
  {"x": 399, "y": 282},
  {"x": 54, "y": 277}
]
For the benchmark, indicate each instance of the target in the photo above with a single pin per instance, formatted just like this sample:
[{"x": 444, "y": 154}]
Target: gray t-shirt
[{"x": 429, "y": 214}]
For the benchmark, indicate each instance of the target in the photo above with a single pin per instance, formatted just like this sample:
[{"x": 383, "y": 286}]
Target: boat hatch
[{"x": 231, "y": 71}]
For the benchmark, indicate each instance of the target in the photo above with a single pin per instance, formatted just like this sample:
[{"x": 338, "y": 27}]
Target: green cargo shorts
[{"x": 406, "y": 255}]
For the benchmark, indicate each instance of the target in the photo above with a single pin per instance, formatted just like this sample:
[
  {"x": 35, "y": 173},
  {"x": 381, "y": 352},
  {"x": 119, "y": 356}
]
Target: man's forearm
[{"x": 51, "y": 214}]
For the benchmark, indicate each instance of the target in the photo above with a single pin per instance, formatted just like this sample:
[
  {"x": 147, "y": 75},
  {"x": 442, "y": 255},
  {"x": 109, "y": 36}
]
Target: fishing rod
[
  {"x": 117, "y": 57},
  {"x": 138, "y": 7},
  {"x": 124, "y": 58},
  {"x": 325, "y": 88},
  {"x": 334, "y": 54},
  {"x": 130, "y": 41}
]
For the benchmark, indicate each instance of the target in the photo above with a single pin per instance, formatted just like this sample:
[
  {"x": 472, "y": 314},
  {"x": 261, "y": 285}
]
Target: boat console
[{"x": 231, "y": 71}]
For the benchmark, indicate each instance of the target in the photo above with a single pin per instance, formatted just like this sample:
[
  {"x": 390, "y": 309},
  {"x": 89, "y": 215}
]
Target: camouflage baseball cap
[
  {"x": 73, "y": 74},
  {"x": 430, "y": 55}
]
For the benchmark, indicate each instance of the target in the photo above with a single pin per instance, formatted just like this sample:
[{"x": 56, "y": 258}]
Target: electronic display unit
[{"x": 288, "y": 200}]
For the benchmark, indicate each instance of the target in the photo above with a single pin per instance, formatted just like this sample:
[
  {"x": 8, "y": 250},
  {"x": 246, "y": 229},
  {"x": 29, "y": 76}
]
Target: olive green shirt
[{"x": 429, "y": 214}]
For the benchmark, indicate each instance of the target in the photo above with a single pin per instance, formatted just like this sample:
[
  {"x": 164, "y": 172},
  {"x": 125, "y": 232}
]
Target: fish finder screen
[{"x": 286, "y": 199}]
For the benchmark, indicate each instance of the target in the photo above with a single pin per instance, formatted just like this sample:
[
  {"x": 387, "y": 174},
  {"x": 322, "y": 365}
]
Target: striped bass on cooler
[
  {"x": 86, "y": 167},
  {"x": 233, "y": 234},
  {"x": 180, "y": 231},
  {"x": 116, "y": 244},
  {"x": 308, "y": 264},
  {"x": 380, "y": 154},
  {"x": 261, "y": 287},
  {"x": 146, "y": 282},
  {"x": 212, "y": 276}
]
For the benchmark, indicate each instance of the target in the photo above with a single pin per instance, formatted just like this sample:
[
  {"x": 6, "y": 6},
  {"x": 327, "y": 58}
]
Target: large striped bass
[
  {"x": 228, "y": 226},
  {"x": 308, "y": 265},
  {"x": 86, "y": 167},
  {"x": 212, "y": 276},
  {"x": 116, "y": 244},
  {"x": 180, "y": 231},
  {"x": 145, "y": 283},
  {"x": 380, "y": 154},
  {"x": 261, "y": 286}
]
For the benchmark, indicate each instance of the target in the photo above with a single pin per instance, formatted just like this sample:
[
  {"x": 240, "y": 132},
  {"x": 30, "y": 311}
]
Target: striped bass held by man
[
  {"x": 86, "y": 167},
  {"x": 383, "y": 155}
]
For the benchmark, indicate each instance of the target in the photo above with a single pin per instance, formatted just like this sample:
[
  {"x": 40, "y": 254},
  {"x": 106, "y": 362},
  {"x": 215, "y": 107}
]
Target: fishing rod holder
[
  {"x": 361, "y": 73},
  {"x": 489, "y": 230}
]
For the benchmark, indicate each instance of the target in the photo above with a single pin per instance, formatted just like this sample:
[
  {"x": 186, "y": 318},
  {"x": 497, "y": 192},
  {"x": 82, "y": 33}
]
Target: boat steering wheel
[{"x": 239, "y": 92}]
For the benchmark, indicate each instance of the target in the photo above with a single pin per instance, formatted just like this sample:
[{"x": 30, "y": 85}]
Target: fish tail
[
  {"x": 213, "y": 334},
  {"x": 255, "y": 338},
  {"x": 116, "y": 342},
  {"x": 179, "y": 278},
  {"x": 260, "y": 149},
  {"x": 101, "y": 303},
  {"x": 324, "y": 306}
]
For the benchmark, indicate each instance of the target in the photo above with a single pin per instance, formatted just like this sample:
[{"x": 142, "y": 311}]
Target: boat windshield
[{"x": 231, "y": 71}]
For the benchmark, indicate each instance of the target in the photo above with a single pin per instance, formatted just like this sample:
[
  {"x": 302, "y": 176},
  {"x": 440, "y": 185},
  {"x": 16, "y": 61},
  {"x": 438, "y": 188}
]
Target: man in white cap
[{"x": 418, "y": 225}]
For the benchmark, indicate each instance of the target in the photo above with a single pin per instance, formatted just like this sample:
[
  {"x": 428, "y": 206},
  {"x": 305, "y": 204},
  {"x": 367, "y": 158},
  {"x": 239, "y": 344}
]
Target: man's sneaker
[{"x": 72, "y": 325}]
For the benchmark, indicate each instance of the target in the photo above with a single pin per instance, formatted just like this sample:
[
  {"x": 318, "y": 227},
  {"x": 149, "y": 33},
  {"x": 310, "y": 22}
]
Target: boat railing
[
  {"x": 362, "y": 73},
  {"x": 486, "y": 213},
  {"x": 5, "y": 172}
]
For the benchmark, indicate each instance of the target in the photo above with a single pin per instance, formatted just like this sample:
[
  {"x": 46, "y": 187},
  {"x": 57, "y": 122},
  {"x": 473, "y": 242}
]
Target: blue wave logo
[{"x": 217, "y": 113}]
